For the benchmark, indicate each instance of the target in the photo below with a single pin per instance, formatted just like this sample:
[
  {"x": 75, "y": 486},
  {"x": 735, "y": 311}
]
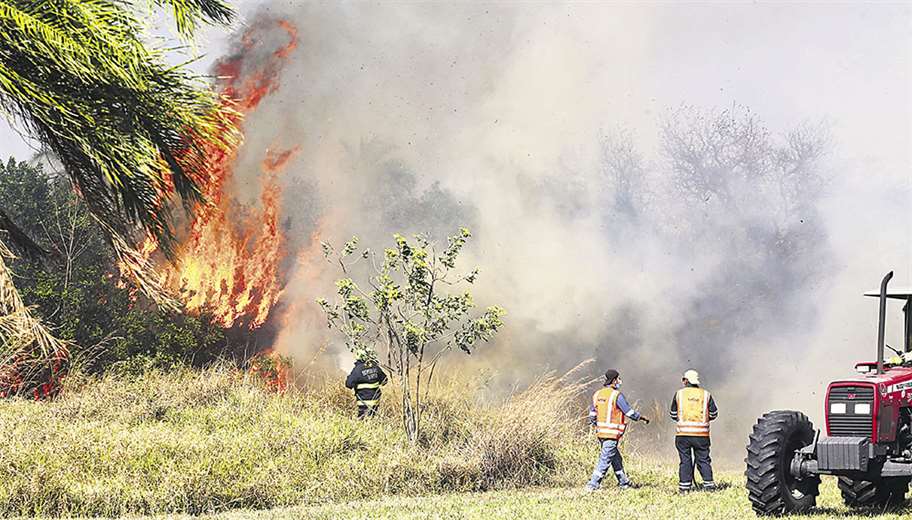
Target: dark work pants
[
  {"x": 699, "y": 447},
  {"x": 366, "y": 411}
]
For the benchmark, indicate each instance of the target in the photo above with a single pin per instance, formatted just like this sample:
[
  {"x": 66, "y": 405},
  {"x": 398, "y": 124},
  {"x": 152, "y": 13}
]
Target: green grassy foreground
[
  {"x": 217, "y": 444},
  {"x": 657, "y": 498},
  {"x": 559, "y": 504},
  {"x": 203, "y": 442}
]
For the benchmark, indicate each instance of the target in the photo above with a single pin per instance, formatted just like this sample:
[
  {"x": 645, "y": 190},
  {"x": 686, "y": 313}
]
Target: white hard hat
[{"x": 692, "y": 376}]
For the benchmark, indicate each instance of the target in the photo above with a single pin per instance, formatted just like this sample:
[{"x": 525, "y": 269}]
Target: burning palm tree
[{"x": 132, "y": 133}]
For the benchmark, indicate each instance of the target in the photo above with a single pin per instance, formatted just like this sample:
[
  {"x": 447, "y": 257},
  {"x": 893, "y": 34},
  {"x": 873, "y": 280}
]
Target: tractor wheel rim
[{"x": 792, "y": 484}]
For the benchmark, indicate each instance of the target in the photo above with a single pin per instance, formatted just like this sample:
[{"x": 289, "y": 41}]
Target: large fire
[{"x": 228, "y": 263}]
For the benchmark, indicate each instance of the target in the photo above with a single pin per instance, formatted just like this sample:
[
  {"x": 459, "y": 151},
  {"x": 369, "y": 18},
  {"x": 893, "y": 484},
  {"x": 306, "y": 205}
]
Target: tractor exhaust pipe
[{"x": 881, "y": 322}]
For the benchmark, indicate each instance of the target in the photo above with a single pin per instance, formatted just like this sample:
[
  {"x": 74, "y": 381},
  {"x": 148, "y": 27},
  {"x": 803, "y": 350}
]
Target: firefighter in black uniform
[{"x": 365, "y": 379}]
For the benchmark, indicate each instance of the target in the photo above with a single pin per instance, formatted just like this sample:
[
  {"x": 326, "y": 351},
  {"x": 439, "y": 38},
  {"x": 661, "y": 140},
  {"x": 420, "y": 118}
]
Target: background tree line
[{"x": 77, "y": 286}]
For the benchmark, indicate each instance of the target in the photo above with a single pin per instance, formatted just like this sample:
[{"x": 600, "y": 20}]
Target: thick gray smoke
[{"x": 624, "y": 209}]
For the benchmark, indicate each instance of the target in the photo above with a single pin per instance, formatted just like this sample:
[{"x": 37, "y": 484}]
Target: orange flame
[
  {"x": 273, "y": 369},
  {"x": 228, "y": 264},
  {"x": 292, "y": 41}
]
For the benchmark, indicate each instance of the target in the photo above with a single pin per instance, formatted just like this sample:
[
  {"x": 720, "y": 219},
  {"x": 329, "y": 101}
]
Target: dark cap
[{"x": 610, "y": 375}]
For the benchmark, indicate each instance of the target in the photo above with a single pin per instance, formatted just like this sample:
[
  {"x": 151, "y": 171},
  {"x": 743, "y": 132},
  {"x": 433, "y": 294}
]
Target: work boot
[
  {"x": 709, "y": 486},
  {"x": 628, "y": 485}
]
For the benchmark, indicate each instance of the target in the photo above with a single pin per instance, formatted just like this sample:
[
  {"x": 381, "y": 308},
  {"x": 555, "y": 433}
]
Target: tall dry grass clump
[
  {"x": 522, "y": 441},
  {"x": 198, "y": 441}
]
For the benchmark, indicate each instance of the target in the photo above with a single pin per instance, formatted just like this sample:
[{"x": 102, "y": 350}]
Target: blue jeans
[{"x": 609, "y": 456}]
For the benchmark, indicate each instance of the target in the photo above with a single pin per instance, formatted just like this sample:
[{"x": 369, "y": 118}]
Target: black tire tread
[
  {"x": 866, "y": 493},
  {"x": 765, "y": 461}
]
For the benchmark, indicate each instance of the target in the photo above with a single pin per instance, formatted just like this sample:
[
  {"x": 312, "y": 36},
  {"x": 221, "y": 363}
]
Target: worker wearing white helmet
[{"x": 692, "y": 408}]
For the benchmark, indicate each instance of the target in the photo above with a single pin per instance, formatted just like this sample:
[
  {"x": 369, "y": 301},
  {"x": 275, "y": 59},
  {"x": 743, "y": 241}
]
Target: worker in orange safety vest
[
  {"x": 608, "y": 414},
  {"x": 692, "y": 408}
]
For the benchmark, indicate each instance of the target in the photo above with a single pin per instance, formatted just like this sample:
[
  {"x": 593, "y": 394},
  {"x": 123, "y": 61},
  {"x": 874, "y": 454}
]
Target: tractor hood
[
  {"x": 894, "y": 378},
  {"x": 868, "y": 405}
]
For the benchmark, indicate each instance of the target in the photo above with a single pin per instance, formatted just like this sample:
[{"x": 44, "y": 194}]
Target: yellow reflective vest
[
  {"x": 693, "y": 412},
  {"x": 610, "y": 421}
]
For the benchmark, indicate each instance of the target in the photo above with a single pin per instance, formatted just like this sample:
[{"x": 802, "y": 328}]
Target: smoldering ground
[{"x": 641, "y": 193}]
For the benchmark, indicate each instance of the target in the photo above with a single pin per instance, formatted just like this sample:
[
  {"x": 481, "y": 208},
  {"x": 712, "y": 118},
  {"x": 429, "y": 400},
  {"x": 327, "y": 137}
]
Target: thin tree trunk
[
  {"x": 404, "y": 373},
  {"x": 407, "y": 409}
]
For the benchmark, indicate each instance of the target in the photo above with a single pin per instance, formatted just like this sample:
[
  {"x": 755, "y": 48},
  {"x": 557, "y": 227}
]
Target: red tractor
[{"x": 868, "y": 442}]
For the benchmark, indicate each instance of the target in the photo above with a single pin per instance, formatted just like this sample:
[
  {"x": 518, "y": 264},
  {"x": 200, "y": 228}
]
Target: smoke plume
[{"x": 614, "y": 217}]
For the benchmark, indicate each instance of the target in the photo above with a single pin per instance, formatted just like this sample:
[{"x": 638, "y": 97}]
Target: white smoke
[{"x": 427, "y": 117}]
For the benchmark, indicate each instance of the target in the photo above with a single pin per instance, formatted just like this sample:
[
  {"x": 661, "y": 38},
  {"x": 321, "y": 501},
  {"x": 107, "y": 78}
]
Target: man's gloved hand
[{"x": 645, "y": 420}]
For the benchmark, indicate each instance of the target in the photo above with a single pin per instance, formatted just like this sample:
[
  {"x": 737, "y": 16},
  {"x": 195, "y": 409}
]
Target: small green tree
[{"x": 412, "y": 307}]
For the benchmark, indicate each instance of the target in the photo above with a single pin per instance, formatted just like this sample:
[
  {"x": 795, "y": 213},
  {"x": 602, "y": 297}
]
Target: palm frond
[
  {"x": 19, "y": 238},
  {"x": 28, "y": 350},
  {"x": 189, "y": 13},
  {"x": 131, "y": 131},
  {"x": 136, "y": 266}
]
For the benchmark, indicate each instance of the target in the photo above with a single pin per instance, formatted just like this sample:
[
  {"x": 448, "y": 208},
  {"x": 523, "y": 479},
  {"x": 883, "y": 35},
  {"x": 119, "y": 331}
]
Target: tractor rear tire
[
  {"x": 771, "y": 487},
  {"x": 880, "y": 493}
]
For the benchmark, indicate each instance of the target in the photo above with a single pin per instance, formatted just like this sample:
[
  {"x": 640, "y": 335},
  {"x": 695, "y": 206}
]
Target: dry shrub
[{"x": 519, "y": 442}]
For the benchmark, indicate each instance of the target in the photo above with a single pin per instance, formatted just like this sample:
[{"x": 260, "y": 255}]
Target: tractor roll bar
[
  {"x": 907, "y": 327},
  {"x": 881, "y": 322}
]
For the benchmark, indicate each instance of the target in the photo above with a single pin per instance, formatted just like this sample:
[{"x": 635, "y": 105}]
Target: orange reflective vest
[
  {"x": 693, "y": 412},
  {"x": 610, "y": 422}
]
